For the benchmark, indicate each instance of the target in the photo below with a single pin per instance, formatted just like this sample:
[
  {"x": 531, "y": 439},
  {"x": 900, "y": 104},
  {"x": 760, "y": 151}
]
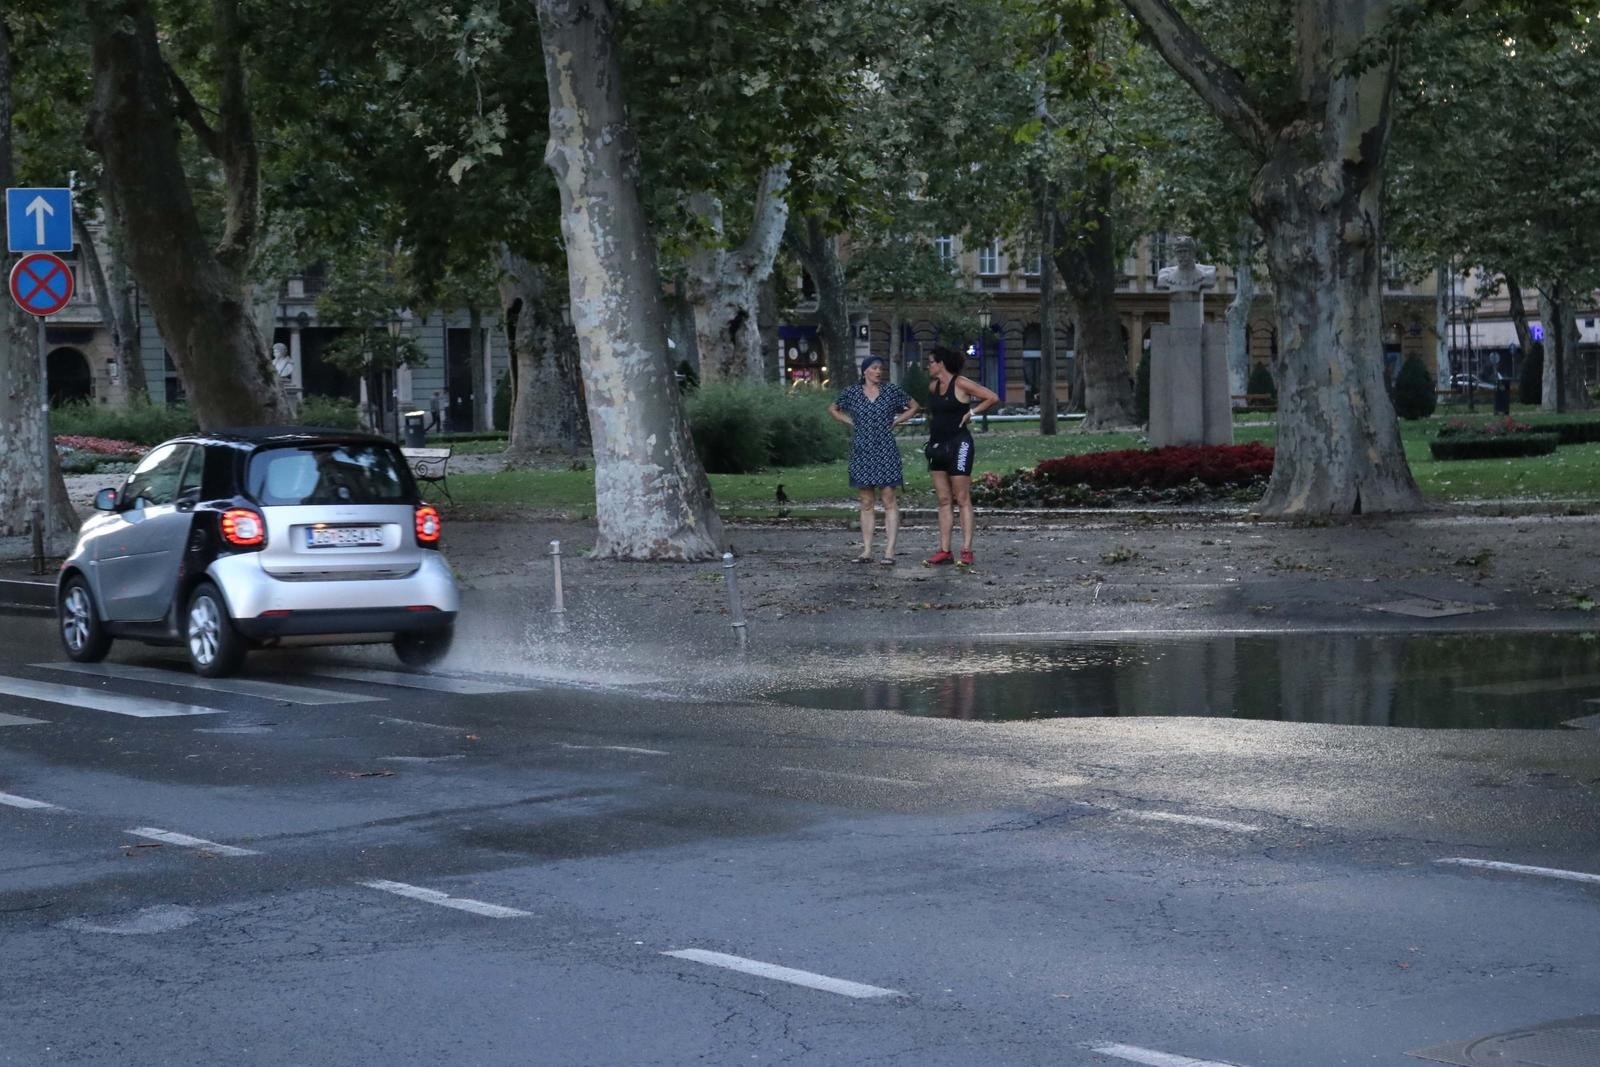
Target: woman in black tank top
[{"x": 950, "y": 448}]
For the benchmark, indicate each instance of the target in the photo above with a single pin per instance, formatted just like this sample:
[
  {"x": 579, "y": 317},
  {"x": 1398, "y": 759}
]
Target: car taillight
[
  {"x": 243, "y": 528},
  {"x": 429, "y": 525}
]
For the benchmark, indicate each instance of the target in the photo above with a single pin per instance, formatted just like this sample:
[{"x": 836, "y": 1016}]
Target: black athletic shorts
[{"x": 951, "y": 455}]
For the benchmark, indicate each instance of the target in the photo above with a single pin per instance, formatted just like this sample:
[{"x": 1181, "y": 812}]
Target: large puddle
[{"x": 1492, "y": 681}]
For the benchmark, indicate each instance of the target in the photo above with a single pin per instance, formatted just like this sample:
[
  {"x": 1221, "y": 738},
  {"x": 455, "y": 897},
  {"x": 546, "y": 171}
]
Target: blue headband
[{"x": 869, "y": 361}]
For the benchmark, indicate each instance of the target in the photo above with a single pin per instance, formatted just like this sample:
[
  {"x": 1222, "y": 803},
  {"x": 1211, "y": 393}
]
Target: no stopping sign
[{"x": 41, "y": 283}]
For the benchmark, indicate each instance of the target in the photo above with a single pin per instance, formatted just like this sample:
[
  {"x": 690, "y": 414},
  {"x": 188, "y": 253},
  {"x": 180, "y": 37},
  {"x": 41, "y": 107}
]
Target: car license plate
[{"x": 342, "y": 536}]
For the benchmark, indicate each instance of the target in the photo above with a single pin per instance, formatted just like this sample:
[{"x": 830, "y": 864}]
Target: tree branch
[
  {"x": 190, "y": 111},
  {"x": 771, "y": 217},
  {"x": 1217, "y": 83}
]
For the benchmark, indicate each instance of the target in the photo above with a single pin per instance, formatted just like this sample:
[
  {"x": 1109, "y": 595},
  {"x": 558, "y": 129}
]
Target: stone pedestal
[{"x": 1190, "y": 401}]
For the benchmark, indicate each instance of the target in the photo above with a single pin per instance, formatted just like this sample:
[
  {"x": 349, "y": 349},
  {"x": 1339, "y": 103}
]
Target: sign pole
[{"x": 44, "y": 431}]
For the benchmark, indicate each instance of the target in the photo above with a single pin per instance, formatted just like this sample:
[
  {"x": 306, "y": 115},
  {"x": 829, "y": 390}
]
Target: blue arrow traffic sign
[{"x": 39, "y": 220}]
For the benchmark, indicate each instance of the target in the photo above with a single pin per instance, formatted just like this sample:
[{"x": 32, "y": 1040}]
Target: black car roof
[{"x": 259, "y": 436}]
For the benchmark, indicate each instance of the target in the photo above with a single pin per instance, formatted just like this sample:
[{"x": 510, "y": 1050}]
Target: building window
[
  {"x": 946, "y": 247},
  {"x": 989, "y": 258},
  {"x": 1158, "y": 251},
  {"x": 1032, "y": 263}
]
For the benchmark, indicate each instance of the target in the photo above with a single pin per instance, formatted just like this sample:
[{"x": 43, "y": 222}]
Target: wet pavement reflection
[{"x": 1476, "y": 681}]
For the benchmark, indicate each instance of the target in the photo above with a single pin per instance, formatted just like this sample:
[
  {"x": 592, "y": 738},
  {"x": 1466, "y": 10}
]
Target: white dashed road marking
[
  {"x": 100, "y": 700},
  {"x": 784, "y": 974},
  {"x": 1518, "y": 868},
  {"x": 615, "y": 748},
  {"x": 445, "y": 900},
  {"x": 436, "y": 683},
  {"x": 18, "y": 720},
  {"x": 11, "y": 800},
  {"x": 167, "y": 837},
  {"x": 1195, "y": 820},
  {"x": 856, "y": 777},
  {"x": 1151, "y": 1058},
  {"x": 248, "y": 687}
]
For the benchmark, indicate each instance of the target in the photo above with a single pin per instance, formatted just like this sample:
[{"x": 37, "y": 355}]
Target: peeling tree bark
[
  {"x": 547, "y": 409},
  {"x": 1565, "y": 385},
  {"x": 724, "y": 282},
  {"x": 652, "y": 498},
  {"x": 817, "y": 252},
  {"x": 1086, "y": 255},
  {"x": 1244, "y": 295},
  {"x": 198, "y": 293},
  {"x": 28, "y": 467},
  {"x": 1318, "y": 200}
]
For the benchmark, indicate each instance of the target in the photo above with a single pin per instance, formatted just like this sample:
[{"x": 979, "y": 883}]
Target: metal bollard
[
  {"x": 36, "y": 514},
  {"x": 735, "y": 606},
  {"x": 560, "y": 609}
]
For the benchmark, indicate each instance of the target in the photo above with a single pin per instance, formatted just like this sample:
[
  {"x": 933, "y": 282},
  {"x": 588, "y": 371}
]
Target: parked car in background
[
  {"x": 256, "y": 538},
  {"x": 1460, "y": 383}
]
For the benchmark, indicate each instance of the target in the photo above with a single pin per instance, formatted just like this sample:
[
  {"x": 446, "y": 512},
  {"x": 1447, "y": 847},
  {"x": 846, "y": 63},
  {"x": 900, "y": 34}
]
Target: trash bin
[
  {"x": 416, "y": 429},
  {"x": 1502, "y": 396}
]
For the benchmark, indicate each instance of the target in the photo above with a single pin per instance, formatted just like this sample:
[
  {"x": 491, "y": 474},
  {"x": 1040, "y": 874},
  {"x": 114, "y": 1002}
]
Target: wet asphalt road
[{"x": 1084, "y": 891}]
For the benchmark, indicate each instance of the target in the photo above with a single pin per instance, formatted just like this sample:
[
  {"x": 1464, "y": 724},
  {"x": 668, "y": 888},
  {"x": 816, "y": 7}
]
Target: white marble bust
[{"x": 1188, "y": 276}]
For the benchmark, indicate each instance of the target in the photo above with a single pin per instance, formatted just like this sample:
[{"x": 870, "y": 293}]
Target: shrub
[
  {"x": 1530, "y": 388},
  {"x": 1261, "y": 382},
  {"x": 740, "y": 427},
  {"x": 332, "y": 412},
  {"x": 1160, "y": 468},
  {"x": 915, "y": 382},
  {"x": 503, "y": 396},
  {"x": 140, "y": 421},
  {"x": 1414, "y": 397},
  {"x": 1141, "y": 389},
  {"x": 1486, "y": 446}
]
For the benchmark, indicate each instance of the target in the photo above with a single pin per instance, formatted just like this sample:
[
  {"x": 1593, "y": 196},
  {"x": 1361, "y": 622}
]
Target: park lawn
[{"x": 1572, "y": 472}]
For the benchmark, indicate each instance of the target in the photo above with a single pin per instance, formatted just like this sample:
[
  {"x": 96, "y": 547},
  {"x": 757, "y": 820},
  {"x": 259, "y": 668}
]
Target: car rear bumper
[
  {"x": 263, "y": 606},
  {"x": 349, "y": 621}
]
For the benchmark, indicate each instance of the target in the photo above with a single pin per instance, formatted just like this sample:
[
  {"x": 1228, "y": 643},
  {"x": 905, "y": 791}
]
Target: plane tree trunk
[
  {"x": 1317, "y": 198},
  {"x": 725, "y": 283},
  {"x": 1086, "y": 254},
  {"x": 547, "y": 408},
  {"x": 198, "y": 293},
  {"x": 652, "y": 497},
  {"x": 817, "y": 252}
]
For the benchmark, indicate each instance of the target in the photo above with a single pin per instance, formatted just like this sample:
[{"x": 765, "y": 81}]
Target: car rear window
[{"x": 350, "y": 473}]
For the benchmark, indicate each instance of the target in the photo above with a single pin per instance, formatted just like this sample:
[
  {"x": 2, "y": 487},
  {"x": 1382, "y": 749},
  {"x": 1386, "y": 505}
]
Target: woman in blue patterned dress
[{"x": 872, "y": 410}]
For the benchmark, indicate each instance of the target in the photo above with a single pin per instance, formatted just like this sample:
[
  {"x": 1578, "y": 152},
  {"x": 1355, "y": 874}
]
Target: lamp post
[
  {"x": 395, "y": 324},
  {"x": 985, "y": 316}
]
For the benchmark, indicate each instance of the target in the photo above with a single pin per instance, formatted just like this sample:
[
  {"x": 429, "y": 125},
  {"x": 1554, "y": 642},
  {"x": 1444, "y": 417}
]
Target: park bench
[{"x": 429, "y": 466}]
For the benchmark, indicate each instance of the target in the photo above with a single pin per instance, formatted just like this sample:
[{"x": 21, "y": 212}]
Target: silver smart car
[{"x": 222, "y": 542}]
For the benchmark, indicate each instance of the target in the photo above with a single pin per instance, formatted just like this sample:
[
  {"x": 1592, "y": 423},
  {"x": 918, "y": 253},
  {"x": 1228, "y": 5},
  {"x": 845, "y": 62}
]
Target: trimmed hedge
[
  {"x": 1501, "y": 446},
  {"x": 739, "y": 427}
]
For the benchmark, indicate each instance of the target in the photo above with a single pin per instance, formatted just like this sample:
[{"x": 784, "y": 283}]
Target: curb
[{"x": 27, "y": 594}]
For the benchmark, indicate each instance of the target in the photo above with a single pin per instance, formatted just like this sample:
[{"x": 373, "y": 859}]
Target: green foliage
[
  {"x": 332, "y": 412},
  {"x": 141, "y": 421},
  {"x": 1530, "y": 388},
  {"x": 1414, "y": 397},
  {"x": 1499, "y": 446},
  {"x": 739, "y": 427},
  {"x": 1261, "y": 382},
  {"x": 688, "y": 377},
  {"x": 1141, "y": 388},
  {"x": 915, "y": 382}
]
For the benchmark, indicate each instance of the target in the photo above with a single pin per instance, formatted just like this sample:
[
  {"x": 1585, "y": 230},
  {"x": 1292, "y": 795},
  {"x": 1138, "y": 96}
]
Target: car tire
[
  {"x": 83, "y": 635},
  {"x": 215, "y": 647},
  {"x": 423, "y": 649}
]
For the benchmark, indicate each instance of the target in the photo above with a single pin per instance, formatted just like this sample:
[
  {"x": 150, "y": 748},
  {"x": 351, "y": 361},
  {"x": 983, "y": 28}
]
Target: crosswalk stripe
[
  {"x": 11, "y": 800},
  {"x": 18, "y": 720},
  {"x": 250, "y": 687},
  {"x": 437, "y": 683},
  {"x": 1151, "y": 1057},
  {"x": 808, "y": 979},
  {"x": 445, "y": 900},
  {"x": 1522, "y": 868},
  {"x": 100, "y": 700},
  {"x": 168, "y": 837}
]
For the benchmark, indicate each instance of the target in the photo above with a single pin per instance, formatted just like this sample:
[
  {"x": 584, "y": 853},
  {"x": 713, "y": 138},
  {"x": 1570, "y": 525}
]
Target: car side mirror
[{"x": 105, "y": 500}]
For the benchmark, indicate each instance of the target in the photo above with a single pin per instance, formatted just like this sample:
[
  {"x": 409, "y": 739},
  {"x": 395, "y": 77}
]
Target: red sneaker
[
  {"x": 939, "y": 559},
  {"x": 966, "y": 557}
]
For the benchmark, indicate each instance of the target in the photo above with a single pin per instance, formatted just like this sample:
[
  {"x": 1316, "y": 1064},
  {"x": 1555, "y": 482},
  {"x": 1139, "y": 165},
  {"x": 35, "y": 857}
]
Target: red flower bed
[
  {"x": 1161, "y": 468},
  {"x": 100, "y": 446}
]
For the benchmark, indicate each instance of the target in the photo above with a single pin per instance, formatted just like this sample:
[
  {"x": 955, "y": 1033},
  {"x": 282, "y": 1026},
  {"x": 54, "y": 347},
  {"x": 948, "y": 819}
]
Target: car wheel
[
  {"x": 423, "y": 649},
  {"x": 215, "y": 647},
  {"x": 83, "y": 635}
]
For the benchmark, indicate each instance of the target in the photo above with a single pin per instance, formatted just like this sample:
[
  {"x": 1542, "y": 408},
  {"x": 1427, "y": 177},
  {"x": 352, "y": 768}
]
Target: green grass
[{"x": 1571, "y": 472}]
